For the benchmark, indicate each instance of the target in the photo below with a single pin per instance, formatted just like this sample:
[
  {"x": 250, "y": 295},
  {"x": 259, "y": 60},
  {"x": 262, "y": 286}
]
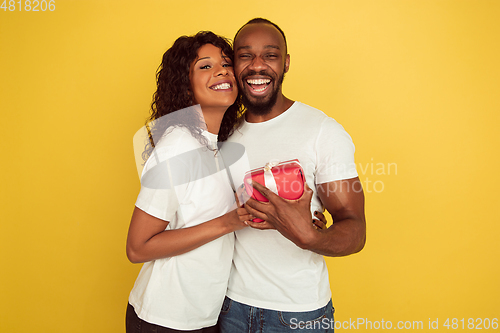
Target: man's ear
[{"x": 287, "y": 63}]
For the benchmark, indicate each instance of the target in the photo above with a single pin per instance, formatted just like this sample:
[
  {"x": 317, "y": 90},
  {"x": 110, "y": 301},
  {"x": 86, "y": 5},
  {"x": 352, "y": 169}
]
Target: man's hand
[
  {"x": 343, "y": 199},
  {"x": 292, "y": 218}
]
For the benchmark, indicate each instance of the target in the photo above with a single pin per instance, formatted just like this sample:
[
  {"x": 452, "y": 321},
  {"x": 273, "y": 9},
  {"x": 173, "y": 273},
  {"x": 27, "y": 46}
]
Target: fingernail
[{"x": 249, "y": 181}]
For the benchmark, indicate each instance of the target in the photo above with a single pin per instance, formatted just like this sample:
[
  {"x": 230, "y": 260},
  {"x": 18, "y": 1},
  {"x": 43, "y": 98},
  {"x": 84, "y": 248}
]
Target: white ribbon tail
[{"x": 269, "y": 180}]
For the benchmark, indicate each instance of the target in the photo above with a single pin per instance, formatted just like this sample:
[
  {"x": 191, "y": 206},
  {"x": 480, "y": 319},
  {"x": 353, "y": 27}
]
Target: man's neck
[{"x": 282, "y": 104}]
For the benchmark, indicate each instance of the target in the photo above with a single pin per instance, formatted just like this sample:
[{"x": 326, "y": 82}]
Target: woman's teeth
[{"x": 221, "y": 86}]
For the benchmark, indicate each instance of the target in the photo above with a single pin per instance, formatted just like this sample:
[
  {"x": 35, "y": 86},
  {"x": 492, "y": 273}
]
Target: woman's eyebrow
[{"x": 202, "y": 59}]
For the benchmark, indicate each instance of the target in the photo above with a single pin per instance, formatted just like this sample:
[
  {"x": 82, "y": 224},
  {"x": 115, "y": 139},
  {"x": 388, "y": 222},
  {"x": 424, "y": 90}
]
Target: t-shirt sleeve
[
  {"x": 159, "y": 203},
  {"x": 158, "y": 196},
  {"x": 334, "y": 153}
]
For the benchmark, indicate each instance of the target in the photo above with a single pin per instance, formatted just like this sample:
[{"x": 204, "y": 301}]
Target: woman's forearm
[{"x": 148, "y": 240}]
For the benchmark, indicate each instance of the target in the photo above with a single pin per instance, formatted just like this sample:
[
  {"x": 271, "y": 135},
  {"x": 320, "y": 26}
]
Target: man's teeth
[
  {"x": 221, "y": 86},
  {"x": 258, "y": 81}
]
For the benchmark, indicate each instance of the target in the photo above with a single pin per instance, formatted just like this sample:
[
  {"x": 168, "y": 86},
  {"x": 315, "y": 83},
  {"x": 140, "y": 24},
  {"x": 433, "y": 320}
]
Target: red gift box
[{"x": 286, "y": 179}]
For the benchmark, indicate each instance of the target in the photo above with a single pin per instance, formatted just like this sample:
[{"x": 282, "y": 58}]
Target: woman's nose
[{"x": 222, "y": 71}]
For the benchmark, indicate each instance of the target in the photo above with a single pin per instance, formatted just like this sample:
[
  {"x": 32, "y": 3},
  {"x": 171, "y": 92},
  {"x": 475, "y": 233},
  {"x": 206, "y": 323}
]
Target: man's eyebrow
[{"x": 246, "y": 47}]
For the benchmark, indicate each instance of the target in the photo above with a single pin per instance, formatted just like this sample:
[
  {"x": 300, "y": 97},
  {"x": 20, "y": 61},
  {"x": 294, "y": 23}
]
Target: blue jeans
[{"x": 236, "y": 317}]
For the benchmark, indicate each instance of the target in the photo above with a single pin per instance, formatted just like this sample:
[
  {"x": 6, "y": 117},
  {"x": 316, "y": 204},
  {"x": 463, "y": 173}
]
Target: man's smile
[{"x": 258, "y": 86}]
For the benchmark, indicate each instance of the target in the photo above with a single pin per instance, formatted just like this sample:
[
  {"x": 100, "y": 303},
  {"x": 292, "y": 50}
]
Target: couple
[{"x": 208, "y": 267}]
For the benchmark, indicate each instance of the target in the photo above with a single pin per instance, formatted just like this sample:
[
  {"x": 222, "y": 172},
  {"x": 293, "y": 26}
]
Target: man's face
[{"x": 260, "y": 65}]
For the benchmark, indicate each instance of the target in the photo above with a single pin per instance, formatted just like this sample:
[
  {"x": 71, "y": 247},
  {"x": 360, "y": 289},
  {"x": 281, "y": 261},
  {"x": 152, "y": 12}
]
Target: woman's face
[{"x": 212, "y": 78}]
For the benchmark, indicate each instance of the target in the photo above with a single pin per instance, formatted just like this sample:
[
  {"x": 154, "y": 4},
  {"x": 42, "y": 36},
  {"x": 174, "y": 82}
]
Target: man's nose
[{"x": 257, "y": 64}]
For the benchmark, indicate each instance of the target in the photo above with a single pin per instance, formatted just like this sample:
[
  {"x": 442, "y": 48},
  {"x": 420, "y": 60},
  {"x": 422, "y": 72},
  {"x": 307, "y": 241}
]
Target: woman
[{"x": 183, "y": 229}]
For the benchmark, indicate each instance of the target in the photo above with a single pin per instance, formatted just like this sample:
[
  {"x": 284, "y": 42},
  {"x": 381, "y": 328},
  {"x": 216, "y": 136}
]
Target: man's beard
[{"x": 261, "y": 108}]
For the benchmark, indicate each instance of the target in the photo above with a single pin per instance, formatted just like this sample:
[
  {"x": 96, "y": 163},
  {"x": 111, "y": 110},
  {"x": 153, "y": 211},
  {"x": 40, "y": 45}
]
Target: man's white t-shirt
[
  {"x": 185, "y": 183},
  {"x": 269, "y": 271}
]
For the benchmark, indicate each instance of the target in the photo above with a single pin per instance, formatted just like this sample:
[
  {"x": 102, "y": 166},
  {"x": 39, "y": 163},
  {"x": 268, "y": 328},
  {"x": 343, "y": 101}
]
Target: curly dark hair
[{"x": 174, "y": 93}]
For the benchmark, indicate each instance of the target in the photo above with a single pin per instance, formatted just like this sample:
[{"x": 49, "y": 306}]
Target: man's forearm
[
  {"x": 340, "y": 239},
  {"x": 344, "y": 200}
]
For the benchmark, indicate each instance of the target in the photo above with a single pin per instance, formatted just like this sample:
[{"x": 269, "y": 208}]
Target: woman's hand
[
  {"x": 319, "y": 220},
  {"x": 242, "y": 197},
  {"x": 236, "y": 219}
]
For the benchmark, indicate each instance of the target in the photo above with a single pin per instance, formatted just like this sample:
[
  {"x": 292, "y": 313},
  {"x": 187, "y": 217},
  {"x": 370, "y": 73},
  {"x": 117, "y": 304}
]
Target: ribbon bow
[
  {"x": 269, "y": 180},
  {"x": 270, "y": 165}
]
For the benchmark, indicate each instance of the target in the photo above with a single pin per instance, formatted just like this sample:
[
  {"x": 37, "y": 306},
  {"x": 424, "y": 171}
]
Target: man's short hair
[{"x": 263, "y": 20}]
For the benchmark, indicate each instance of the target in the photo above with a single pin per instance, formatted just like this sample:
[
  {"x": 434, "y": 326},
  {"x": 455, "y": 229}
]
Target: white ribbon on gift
[{"x": 269, "y": 180}]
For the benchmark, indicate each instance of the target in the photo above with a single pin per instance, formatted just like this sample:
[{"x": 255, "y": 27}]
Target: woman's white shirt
[{"x": 185, "y": 183}]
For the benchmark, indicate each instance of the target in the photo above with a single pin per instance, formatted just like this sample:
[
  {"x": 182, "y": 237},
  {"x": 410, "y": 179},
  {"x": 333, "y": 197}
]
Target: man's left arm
[{"x": 343, "y": 199}]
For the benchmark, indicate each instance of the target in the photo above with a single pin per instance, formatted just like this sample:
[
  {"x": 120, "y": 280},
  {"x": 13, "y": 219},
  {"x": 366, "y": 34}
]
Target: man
[{"x": 279, "y": 280}]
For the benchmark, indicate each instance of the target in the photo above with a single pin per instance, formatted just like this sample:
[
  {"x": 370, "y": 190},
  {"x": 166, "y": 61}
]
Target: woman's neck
[{"x": 213, "y": 118}]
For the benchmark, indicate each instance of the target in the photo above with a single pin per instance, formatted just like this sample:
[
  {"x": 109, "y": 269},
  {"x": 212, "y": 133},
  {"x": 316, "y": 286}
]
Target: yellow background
[{"x": 415, "y": 83}]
